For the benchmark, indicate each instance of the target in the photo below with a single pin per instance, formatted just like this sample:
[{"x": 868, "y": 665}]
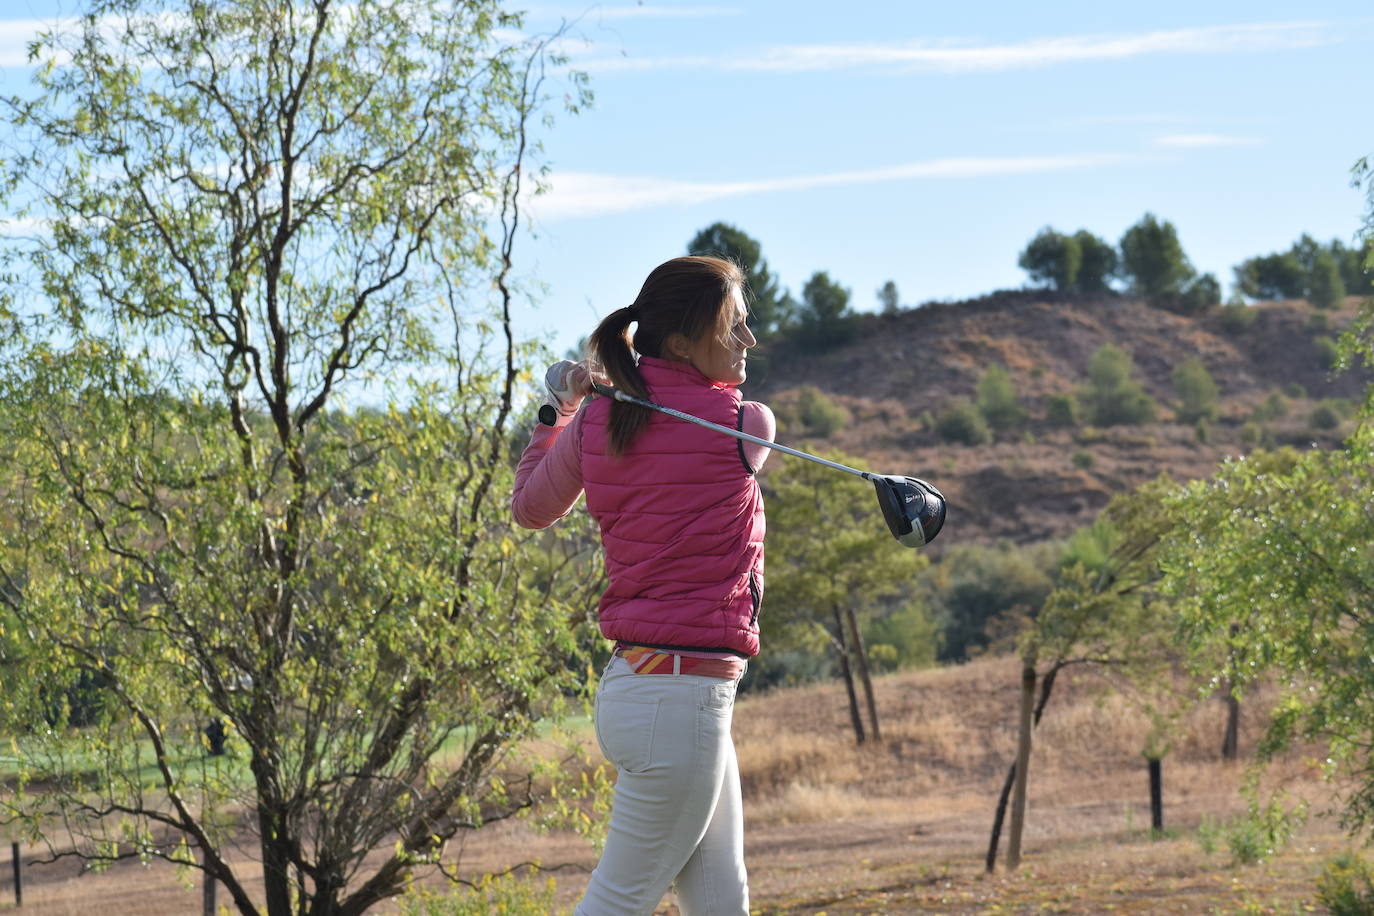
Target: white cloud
[
  {"x": 953, "y": 57},
  {"x": 15, "y": 35},
  {"x": 1202, "y": 141},
  {"x": 581, "y": 194},
  {"x": 639, "y": 11}
]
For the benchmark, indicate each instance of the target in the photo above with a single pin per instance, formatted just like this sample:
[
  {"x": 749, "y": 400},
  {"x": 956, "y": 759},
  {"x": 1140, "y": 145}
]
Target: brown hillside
[{"x": 1039, "y": 481}]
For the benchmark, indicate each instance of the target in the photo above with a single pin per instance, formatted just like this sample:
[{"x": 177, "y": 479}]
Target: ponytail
[
  {"x": 686, "y": 296},
  {"x": 610, "y": 347}
]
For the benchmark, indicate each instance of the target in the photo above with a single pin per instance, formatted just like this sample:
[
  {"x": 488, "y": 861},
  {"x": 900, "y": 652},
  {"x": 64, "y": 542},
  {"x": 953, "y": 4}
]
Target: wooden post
[
  {"x": 1023, "y": 749},
  {"x": 18, "y": 876},
  {"x": 1156, "y": 795}
]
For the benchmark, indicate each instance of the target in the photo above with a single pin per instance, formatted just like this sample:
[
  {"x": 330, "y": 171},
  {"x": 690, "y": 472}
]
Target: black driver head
[{"x": 913, "y": 509}]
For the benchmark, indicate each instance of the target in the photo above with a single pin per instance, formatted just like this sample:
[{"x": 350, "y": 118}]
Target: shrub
[
  {"x": 1346, "y": 886},
  {"x": 1236, "y": 317},
  {"x": 1295, "y": 390},
  {"x": 1274, "y": 406},
  {"x": 1262, "y": 831},
  {"x": 509, "y": 895},
  {"x": 962, "y": 421},
  {"x": 1082, "y": 459},
  {"x": 1197, "y": 392},
  {"x": 819, "y": 414},
  {"x": 1325, "y": 416},
  {"x": 997, "y": 400},
  {"x": 1202, "y": 431},
  {"x": 1252, "y": 433},
  {"x": 1326, "y": 351},
  {"x": 1061, "y": 410},
  {"x": 1111, "y": 396}
]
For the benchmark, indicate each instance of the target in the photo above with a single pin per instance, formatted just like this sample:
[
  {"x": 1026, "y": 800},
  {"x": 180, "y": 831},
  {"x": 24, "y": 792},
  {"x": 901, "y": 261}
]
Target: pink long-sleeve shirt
[{"x": 548, "y": 479}]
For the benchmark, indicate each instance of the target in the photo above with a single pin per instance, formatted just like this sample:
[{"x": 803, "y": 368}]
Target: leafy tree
[
  {"x": 1153, "y": 260},
  {"x": 1273, "y": 276},
  {"x": 1308, "y": 270},
  {"x": 1201, "y": 294},
  {"x": 997, "y": 400},
  {"x": 824, "y": 318},
  {"x": 1283, "y": 531},
  {"x": 888, "y": 298},
  {"x": 976, "y": 589},
  {"x": 1103, "y": 612},
  {"x": 1111, "y": 395},
  {"x": 1357, "y": 274},
  {"x": 771, "y": 306},
  {"x": 1196, "y": 390},
  {"x": 822, "y": 584},
  {"x": 1265, "y": 536},
  {"x": 1326, "y": 289},
  {"x": 1053, "y": 258},
  {"x": 253, "y": 210},
  {"x": 1099, "y": 263}
]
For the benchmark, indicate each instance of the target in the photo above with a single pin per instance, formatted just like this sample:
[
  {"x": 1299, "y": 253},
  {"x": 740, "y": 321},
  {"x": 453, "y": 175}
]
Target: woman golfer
[{"x": 681, "y": 522}]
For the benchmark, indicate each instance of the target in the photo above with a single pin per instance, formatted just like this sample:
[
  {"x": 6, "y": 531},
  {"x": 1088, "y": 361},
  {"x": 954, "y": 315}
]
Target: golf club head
[{"x": 913, "y": 509}]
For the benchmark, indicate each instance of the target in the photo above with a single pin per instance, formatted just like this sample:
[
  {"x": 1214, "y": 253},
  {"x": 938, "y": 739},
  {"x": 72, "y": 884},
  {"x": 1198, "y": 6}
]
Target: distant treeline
[{"x": 1149, "y": 261}]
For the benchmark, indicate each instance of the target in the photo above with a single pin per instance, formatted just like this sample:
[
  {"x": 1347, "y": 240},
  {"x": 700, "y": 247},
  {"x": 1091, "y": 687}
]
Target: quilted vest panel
[{"x": 681, "y": 520}]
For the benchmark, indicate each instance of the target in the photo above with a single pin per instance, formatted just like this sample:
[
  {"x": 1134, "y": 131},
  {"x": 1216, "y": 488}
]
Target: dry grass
[{"x": 901, "y": 825}]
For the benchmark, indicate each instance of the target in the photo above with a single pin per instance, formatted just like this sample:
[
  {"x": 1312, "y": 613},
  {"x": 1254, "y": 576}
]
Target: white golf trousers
[{"x": 676, "y": 817}]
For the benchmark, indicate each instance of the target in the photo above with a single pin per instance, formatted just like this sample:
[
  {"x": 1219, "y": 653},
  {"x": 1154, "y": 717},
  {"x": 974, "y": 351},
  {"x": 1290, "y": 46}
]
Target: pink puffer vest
[{"x": 681, "y": 520}]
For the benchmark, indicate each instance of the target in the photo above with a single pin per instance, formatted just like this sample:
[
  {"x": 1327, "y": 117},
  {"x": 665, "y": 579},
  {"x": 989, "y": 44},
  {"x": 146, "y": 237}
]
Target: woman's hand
[{"x": 566, "y": 383}]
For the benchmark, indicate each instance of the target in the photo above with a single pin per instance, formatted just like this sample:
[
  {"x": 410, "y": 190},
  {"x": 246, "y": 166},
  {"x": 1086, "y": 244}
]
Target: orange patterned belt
[{"x": 656, "y": 661}]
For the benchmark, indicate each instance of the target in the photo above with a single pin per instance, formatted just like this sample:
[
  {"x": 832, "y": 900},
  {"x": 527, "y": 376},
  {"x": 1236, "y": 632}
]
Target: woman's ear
[{"x": 677, "y": 347}]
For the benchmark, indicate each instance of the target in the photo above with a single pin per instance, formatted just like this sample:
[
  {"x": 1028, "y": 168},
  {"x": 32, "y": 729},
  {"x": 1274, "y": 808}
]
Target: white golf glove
[{"x": 566, "y": 383}]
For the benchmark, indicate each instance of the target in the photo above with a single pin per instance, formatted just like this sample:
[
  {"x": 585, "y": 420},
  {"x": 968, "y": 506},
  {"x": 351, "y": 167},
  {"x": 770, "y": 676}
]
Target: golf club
[{"x": 913, "y": 509}]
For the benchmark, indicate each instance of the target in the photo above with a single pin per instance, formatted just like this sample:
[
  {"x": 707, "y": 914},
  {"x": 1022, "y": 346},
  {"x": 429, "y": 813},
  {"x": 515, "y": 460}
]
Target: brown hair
[{"x": 686, "y": 296}]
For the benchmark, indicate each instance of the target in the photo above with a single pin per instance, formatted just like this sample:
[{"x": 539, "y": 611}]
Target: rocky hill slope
[{"x": 1041, "y": 481}]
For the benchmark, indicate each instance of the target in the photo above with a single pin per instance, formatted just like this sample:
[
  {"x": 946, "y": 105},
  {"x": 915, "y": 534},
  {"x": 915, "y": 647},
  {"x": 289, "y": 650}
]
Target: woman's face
[{"x": 722, "y": 361}]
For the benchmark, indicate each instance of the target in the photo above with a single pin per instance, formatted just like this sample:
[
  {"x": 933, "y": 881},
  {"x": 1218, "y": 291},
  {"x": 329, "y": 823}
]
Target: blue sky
[{"x": 926, "y": 143}]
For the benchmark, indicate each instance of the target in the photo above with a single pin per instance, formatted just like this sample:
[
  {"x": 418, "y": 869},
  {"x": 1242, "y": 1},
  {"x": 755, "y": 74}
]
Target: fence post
[{"x": 18, "y": 876}]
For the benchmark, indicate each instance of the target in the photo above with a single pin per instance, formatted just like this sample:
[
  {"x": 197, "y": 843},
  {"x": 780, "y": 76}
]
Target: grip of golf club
[{"x": 548, "y": 414}]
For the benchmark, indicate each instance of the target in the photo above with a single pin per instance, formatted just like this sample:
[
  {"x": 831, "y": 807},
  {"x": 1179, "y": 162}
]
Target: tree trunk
[
  {"x": 861, "y": 654},
  {"x": 991, "y": 860},
  {"x": 843, "y": 647},
  {"x": 1046, "y": 685},
  {"x": 276, "y": 882},
  {"x": 1230, "y": 742},
  {"x": 18, "y": 875},
  {"x": 1156, "y": 767},
  {"x": 1023, "y": 749}
]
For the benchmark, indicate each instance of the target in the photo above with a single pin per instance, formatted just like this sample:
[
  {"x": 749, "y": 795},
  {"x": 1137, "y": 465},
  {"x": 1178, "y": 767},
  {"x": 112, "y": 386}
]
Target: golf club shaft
[{"x": 617, "y": 394}]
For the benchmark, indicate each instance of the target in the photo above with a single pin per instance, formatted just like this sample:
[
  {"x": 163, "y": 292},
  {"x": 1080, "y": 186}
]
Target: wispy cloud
[
  {"x": 955, "y": 57},
  {"x": 15, "y": 35},
  {"x": 638, "y": 11},
  {"x": 1202, "y": 141},
  {"x": 581, "y": 194}
]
